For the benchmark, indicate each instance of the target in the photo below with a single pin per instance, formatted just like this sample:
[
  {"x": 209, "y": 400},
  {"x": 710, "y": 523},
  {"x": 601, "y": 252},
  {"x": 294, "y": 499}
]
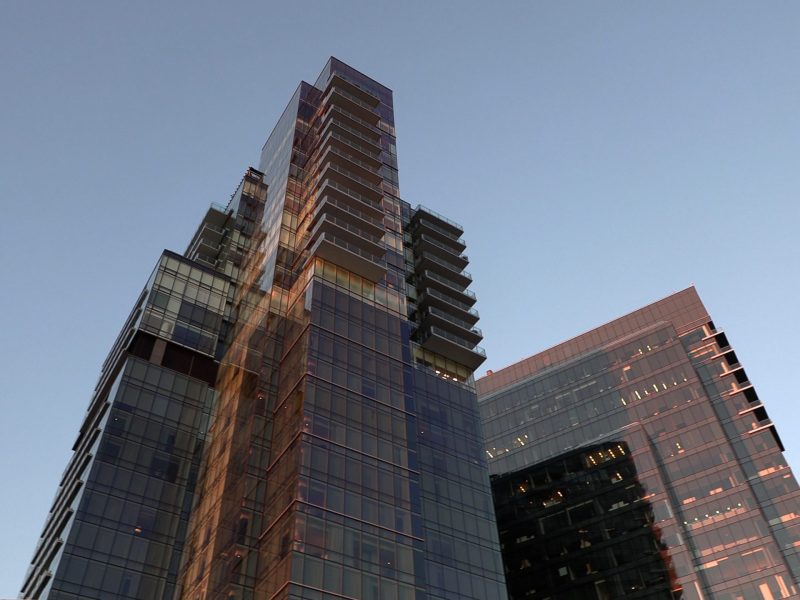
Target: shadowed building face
[{"x": 580, "y": 526}]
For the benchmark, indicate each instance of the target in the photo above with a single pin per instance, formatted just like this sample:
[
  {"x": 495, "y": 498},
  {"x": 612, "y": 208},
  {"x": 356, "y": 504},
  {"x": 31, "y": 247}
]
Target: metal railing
[
  {"x": 353, "y": 211},
  {"x": 428, "y": 239},
  {"x": 346, "y": 155},
  {"x": 358, "y": 86},
  {"x": 356, "y": 118},
  {"x": 451, "y": 284},
  {"x": 352, "y": 98},
  {"x": 214, "y": 228},
  {"x": 447, "y": 265},
  {"x": 350, "y": 175},
  {"x": 454, "y": 320},
  {"x": 352, "y": 193},
  {"x": 220, "y": 207},
  {"x": 348, "y": 227},
  {"x": 358, "y": 134},
  {"x": 337, "y": 241},
  {"x": 454, "y": 338},
  {"x": 448, "y": 234},
  {"x": 452, "y": 301},
  {"x": 439, "y": 216}
]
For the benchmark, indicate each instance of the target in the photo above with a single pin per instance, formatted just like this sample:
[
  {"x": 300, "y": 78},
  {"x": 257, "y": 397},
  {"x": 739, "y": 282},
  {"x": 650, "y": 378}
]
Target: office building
[
  {"x": 289, "y": 411},
  {"x": 637, "y": 460}
]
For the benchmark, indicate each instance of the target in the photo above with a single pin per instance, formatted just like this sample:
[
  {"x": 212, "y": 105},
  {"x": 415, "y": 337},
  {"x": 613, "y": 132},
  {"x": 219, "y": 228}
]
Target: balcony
[
  {"x": 453, "y": 324},
  {"x": 360, "y": 127},
  {"x": 440, "y": 221},
  {"x": 362, "y": 203},
  {"x": 205, "y": 242},
  {"x": 338, "y": 96},
  {"x": 428, "y": 261},
  {"x": 426, "y": 244},
  {"x": 343, "y": 154},
  {"x": 451, "y": 346},
  {"x": 441, "y": 234},
  {"x": 349, "y": 256},
  {"x": 367, "y": 146},
  {"x": 341, "y": 210},
  {"x": 213, "y": 232},
  {"x": 334, "y": 172},
  {"x": 206, "y": 260},
  {"x": 434, "y": 299},
  {"x": 345, "y": 230},
  {"x": 207, "y": 246},
  {"x": 354, "y": 89},
  {"x": 448, "y": 287}
]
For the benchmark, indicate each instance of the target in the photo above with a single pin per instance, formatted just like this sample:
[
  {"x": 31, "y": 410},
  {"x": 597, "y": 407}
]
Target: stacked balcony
[
  {"x": 444, "y": 314},
  {"x": 352, "y": 98},
  {"x": 352, "y": 131},
  {"x": 206, "y": 245},
  {"x": 346, "y": 220}
]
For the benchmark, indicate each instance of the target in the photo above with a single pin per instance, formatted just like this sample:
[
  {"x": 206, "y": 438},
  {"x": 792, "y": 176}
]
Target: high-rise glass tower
[
  {"x": 303, "y": 420},
  {"x": 118, "y": 522},
  {"x": 637, "y": 460}
]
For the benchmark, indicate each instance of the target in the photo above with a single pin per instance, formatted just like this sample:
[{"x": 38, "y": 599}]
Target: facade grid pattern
[{"x": 705, "y": 462}]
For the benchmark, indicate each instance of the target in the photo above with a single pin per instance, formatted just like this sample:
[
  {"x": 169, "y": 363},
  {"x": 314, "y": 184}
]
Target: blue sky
[{"x": 599, "y": 155}]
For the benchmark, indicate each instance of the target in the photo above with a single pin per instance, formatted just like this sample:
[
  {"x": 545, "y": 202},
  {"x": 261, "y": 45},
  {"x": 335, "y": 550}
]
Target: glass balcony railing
[
  {"x": 349, "y": 209},
  {"x": 371, "y": 169},
  {"x": 355, "y": 145},
  {"x": 340, "y": 80},
  {"x": 451, "y": 301},
  {"x": 214, "y": 229},
  {"x": 352, "y": 104},
  {"x": 447, "y": 234},
  {"x": 219, "y": 207},
  {"x": 352, "y": 98},
  {"x": 441, "y": 217},
  {"x": 447, "y": 265},
  {"x": 451, "y": 284},
  {"x": 352, "y": 193},
  {"x": 444, "y": 247},
  {"x": 368, "y": 185},
  {"x": 207, "y": 243},
  {"x": 455, "y": 320},
  {"x": 434, "y": 330},
  {"x": 350, "y": 247},
  {"x": 206, "y": 261},
  {"x": 341, "y": 223},
  {"x": 356, "y": 119}
]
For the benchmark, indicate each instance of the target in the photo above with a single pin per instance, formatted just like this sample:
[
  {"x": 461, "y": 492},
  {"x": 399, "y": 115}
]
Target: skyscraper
[
  {"x": 345, "y": 456},
  {"x": 289, "y": 411},
  {"x": 637, "y": 460}
]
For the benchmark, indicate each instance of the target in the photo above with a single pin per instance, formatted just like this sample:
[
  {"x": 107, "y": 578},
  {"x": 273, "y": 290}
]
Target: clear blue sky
[{"x": 599, "y": 155}]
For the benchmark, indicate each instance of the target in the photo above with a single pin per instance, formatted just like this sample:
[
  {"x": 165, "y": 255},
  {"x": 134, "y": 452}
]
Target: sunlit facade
[
  {"x": 338, "y": 451},
  {"x": 637, "y": 460},
  {"x": 345, "y": 458}
]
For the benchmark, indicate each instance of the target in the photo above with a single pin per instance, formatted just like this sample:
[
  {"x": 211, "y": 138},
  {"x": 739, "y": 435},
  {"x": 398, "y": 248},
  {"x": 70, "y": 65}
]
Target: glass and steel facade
[
  {"x": 333, "y": 449},
  {"x": 580, "y": 526},
  {"x": 637, "y": 460},
  {"x": 117, "y": 525},
  {"x": 345, "y": 459}
]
